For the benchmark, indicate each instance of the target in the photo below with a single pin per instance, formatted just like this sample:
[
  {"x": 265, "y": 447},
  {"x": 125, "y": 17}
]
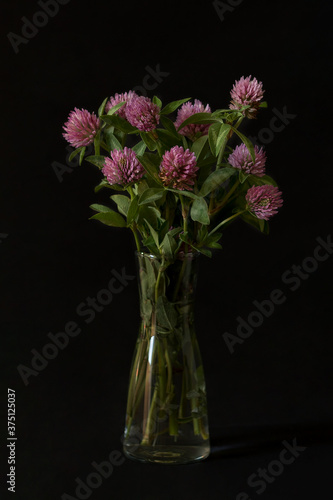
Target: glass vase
[{"x": 166, "y": 417}]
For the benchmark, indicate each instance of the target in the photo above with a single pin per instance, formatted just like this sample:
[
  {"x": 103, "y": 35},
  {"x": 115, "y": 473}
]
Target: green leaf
[
  {"x": 199, "y": 118},
  {"x": 204, "y": 251},
  {"x": 166, "y": 314},
  {"x": 102, "y": 106},
  {"x": 202, "y": 235},
  {"x": 133, "y": 210},
  {"x": 222, "y": 137},
  {"x": 97, "y": 160},
  {"x": 110, "y": 219},
  {"x": 114, "y": 108},
  {"x": 246, "y": 141},
  {"x": 211, "y": 241},
  {"x": 157, "y": 101},
  {"x": 169, "y": 125},
  {"x": 169, "y": 246},
  {"x": 100, "y": 208},
  {"x": 184, "y": 141},
  {"x": 75, "y": 152},
  {"x": 199, "y": 211},
  {"x": 122, "y": 202},
  {"x": 139, "y": 148},
  {"x": 233, "y": 115},
  {"x": 200, "y": 146},
  {"x": 150, "y": 195},
  {"x": 146, "y": 307},
  {"x": 150, "y": 214},
  {"x": 259, "y": 181},
  {"x": 215, "y": 180},
  {"x": 207, "y": 162},
  {"x": 147, "y": 139},
  {"x": 242, "y": 176},
  {"x": 218, "y": 135},
  {"x": 104, "y": 184},
  {"x": 119, "y": 123},
  {"x": 154, "y": 234},
  {"x": 172, "y": 106},
  {"x": 167, "y": 139},
  {"x": 82, "y": 153},
  {"x": 101, "y": 185},
  {"x": 263, "y": 104},
  {"x": 149, "y": 167},
  {"x": 111, "y": 140},
  {"x": 259, "y": 224},
  {"x": 213, "y": 133},
  {"x": 121, "y": 136},
  {"x": 151, "y": 183},
  {"x": 189, "y": 194}
]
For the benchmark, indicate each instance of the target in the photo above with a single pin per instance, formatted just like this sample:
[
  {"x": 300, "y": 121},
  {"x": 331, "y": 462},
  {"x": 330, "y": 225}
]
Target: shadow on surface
[{"x": 256, "y": 439}]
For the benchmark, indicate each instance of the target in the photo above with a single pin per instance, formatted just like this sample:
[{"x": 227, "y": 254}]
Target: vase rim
[{"x": 180, "y": 255}]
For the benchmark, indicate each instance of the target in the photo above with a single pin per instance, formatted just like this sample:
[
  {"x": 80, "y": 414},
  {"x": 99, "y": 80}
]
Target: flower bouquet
[{"x": 177, "y": 184}]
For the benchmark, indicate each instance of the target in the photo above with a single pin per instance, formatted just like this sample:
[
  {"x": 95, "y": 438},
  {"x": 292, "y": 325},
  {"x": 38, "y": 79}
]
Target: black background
[{"x": 278, "y": 384}]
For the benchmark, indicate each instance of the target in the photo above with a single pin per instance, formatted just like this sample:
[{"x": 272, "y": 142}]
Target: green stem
[
  {"x": 123, "y": 140},
  {"x": 220, "y": 155},
  {"x": 104, "y": 146},
  {"x": 218, "y": 161},
  {"x": 149, "y": 403},
  {"x": 182, "y": 404},
  {"x": 211, "y": 202},
  {"x": 138, "y": 394},
  {"x": 133, "y": 226},
  {"x": 226, "y": 198},
  {"x": 239, "y": 121},
  {"x": 147, "y": 435},
  {"x": 136, "y": 237},
  {"x": 169, "y": 366},
  {"x": 181, "y": 274},
  {"x": 153, "y": 135},
  {"x": 167, "y": 212},
  {"x": 97, "y": 148},
  {"x": 131, "y": 192},
  {"x": 136, "y": 387},
  {"x": 227, "y": 220},
  {"x": 173, "y": 423},
  {"x": 203, "y": 432},
  {"x": 161, "y": 377},
  {"x": 134, "y": 374},
  {"x": 184, "y": 213},
  {"x": 196, "y": 423},
  {"x": 180, "y": 277},
  {"x": 159, "y": 274}
]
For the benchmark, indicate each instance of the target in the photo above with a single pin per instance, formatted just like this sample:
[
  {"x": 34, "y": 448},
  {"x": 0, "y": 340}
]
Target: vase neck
[{"x": 174, "y": 282}]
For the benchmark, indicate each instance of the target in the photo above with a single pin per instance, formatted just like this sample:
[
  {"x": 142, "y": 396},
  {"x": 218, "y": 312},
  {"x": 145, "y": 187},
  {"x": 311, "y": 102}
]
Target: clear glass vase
[{"x": 166, "y": 417}]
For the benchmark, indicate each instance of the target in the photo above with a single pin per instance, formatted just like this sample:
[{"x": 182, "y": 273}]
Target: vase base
[{"x": 169, "y": 455}]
